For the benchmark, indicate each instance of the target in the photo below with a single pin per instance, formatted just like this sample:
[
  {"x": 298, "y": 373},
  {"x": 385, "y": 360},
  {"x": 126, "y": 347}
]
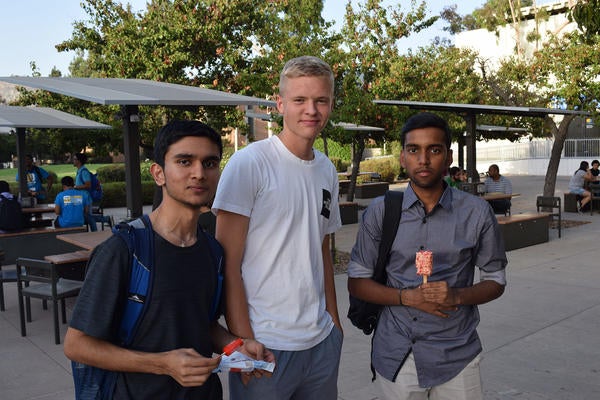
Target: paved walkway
[{"x": 541, "y": 338}]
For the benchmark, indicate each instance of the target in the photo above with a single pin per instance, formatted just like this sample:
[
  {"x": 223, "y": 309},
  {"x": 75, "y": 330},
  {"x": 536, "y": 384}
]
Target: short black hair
[
  {"x": 453, "y": 171},
  {"x": 426, "y": 120},
  {"x": 81, "y": 157},
  {"x": 595, "y": 162},
  {"x": 177, "y": 130},
  {"x": 4, "y": 187},
  {"x": 67, "y": 181}
]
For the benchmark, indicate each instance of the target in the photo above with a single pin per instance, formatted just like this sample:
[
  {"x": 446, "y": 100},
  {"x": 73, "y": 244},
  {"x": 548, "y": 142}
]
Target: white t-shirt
[{"x": 292, "y": 204}]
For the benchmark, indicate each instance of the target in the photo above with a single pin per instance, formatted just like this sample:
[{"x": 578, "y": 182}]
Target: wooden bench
[
  {"x": 370, "y": 190},
  {"x": 522, "y": 230},
  {"x": 36, "y": 243}
]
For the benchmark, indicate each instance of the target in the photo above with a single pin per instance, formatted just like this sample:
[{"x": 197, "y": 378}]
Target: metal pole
[
  {"x": 471, "y": 151},
  {"x": 131, "y": 148},
  {"x": 21, "y": 160}
]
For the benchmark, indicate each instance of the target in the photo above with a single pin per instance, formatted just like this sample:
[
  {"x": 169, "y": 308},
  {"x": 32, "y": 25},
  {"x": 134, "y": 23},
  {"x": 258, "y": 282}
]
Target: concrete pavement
[{"x": 541, "y": 338}]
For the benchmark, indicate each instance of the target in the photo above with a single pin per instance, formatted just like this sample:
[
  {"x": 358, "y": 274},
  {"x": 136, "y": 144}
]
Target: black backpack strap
[{"x": 391, "y": 220}]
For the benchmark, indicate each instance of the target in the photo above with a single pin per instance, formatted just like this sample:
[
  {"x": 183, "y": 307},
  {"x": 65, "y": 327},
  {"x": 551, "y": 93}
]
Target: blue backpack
[
  {"x": 92, "y": 383},
  {"x": 95, "y": 186}
]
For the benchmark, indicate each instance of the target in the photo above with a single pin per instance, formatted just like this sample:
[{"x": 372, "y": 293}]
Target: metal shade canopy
[
  {"x": 21, "y": 118},
  {"x": 496, "y": 128},
  {"x": 359, "y": 128},
  {"x": 470, "y": 111},
  {"x": 130, "y": 94},
  {"x": 137, "y": 92}
]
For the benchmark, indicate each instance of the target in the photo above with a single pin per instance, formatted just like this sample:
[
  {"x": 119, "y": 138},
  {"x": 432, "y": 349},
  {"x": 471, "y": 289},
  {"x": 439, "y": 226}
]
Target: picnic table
[{"x": 85, "y": 240}]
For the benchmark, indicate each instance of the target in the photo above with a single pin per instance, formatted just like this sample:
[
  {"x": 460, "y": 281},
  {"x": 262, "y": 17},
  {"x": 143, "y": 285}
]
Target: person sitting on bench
[
  {"x": 496, "y": 183},
  {"x": 577, "y": 184},
  {"x": 71, "y": 205}
]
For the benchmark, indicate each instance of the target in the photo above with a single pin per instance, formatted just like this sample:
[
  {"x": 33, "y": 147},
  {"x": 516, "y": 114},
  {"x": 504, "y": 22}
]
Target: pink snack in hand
[{"x": 424, "y": 263}]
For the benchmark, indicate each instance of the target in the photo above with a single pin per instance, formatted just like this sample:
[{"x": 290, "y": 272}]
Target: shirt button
[
  {"x": 414, "y": 318},
  {"x": 414, "y": 341}
]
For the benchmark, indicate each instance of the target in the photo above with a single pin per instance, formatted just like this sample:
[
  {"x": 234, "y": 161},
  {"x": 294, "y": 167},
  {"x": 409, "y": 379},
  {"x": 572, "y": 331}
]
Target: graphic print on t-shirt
[{"x": 326, "y": 208}]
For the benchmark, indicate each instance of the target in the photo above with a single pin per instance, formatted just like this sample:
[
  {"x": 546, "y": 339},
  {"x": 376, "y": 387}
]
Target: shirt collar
[{"x": 410, "y": 198}]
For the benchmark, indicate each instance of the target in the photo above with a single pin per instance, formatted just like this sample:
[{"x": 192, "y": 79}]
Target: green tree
[
  {"x": 361, "y": 58},
  {"x": 585, "y": 14}
]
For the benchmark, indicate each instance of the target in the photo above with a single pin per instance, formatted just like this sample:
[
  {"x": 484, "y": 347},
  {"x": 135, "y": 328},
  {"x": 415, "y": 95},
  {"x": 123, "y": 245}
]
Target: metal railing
[{"x": 573, "y": 148}]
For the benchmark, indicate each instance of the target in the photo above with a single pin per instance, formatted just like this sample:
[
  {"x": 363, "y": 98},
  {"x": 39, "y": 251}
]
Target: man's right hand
[{"x": 188, "y": 367}]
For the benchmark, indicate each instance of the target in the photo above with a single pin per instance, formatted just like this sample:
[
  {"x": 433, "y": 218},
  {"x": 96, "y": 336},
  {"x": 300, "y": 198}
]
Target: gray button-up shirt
[{"x": 462, "y": 232}]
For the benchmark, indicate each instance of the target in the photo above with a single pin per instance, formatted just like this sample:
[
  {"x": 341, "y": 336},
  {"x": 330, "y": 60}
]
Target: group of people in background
[
  {"x": 276, "y": 206},
  {"x": 494, "y": 183},
  {"x": 72, "y": 205},
  {"x": 581, "y": 183}
]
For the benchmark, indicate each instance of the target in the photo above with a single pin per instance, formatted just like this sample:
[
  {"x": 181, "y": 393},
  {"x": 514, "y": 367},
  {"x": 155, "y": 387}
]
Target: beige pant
[{"x": 465, "y": 386}]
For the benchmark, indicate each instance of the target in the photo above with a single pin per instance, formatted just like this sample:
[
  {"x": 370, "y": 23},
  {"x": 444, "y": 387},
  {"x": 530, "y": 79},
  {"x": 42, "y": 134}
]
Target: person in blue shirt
[
  {"x": 83, "y": 181},
  {"x": 426, "y": 344},
  {"x": 83, "y": 178},
  {"x": 35, "y": 179},
  {"x": 71, "y": 205}
]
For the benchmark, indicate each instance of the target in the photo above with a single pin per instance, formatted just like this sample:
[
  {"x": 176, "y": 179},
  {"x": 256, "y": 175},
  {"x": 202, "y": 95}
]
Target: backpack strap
[
  {"x": 391, "y": 219},
  {"x": 139, "y": 237},
  {"x": 217, "y": 255}
]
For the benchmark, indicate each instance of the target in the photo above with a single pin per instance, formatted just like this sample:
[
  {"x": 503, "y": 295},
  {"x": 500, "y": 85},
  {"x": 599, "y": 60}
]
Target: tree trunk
[
  {"x": 560, "y": 135},
  {"x": 358, "y": 146}
]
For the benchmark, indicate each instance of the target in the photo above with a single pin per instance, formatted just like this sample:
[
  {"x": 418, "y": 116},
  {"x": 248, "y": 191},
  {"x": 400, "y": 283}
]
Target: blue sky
[{"x": 31, "y": 28}]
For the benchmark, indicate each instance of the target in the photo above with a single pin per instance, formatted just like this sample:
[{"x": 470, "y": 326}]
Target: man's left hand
[
  {"x": 258, "y": 351},
  {"x": 439, "y": 292}
]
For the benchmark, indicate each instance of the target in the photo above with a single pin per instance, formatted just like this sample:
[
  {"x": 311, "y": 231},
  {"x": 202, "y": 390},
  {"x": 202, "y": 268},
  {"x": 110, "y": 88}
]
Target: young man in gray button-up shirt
[{"x": 426, "y": 342}]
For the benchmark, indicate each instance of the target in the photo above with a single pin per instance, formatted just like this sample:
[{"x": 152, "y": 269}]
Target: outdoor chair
[
  {"x": 546, "y": 203},
  {"x": 98, "y": 216},
  {"x": 7, "y": 274},
  {"x": 40, "y": 279}
]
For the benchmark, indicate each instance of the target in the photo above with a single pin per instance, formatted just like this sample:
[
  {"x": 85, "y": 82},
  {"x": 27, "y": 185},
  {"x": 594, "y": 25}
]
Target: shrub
[
  {"x": 340, "y": 165},
  {"x": 387, "y": 167},
  {"x": 116, "y": 173},
  {"x": 113, "y": 193},
  {"x": 334, "y": 149}
]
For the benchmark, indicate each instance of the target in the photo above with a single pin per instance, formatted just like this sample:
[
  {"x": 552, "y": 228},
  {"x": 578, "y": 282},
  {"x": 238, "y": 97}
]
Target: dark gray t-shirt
[{"x": 178, "y": 315}]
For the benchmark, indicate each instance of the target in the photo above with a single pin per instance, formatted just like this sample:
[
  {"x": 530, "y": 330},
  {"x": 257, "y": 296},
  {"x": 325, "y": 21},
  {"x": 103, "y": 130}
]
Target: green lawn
[{"x": 59, "y": 169}]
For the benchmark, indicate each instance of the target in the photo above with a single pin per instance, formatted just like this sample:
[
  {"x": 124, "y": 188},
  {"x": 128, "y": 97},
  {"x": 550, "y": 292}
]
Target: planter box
[
  {"x": 522, "y": 230},
  {"x": 349, "y": 213},
  {"x": 370, "y": 190}
]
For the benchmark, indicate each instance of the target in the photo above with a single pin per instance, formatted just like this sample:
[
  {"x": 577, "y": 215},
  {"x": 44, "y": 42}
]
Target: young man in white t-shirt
[{"x": 276, "y": 205}]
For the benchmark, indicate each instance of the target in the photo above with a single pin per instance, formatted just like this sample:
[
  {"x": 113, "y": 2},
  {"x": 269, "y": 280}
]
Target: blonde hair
[{"x": 305, "y": 66}]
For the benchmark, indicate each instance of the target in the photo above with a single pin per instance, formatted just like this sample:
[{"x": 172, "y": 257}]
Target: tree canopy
[{"x": 240, "y": 46}]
